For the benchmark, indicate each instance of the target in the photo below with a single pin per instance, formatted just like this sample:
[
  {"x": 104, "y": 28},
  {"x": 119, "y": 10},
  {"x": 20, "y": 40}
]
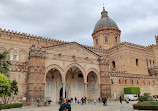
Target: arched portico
[
  {"x": 74, "y": 78},
  {"x": 53, "y": 80},
  {"x": 93, "y": 81}
]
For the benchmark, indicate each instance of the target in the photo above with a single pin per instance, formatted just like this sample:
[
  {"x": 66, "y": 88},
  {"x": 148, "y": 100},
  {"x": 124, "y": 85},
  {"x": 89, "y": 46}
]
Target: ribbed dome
[{"x": 105, "y": 20}]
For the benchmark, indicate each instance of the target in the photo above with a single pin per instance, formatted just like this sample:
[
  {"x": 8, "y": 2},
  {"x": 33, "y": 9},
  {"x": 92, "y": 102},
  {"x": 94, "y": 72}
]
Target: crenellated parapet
[{"x": 28, "y": 38}]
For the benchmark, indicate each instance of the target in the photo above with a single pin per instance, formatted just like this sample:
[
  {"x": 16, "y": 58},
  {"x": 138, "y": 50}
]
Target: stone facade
[{"x": 52, "y": 69}]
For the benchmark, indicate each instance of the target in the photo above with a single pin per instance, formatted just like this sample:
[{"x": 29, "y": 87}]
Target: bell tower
[{"x": 106, "y": 34}]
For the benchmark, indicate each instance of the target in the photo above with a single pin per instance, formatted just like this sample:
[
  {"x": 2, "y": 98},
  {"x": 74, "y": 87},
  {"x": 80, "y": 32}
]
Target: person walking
[
  {"x": 94, "y": 101},
  {"x": 75, "y": 100},
  {"x": 65, "y": 106},
  {"x": 120, "y": 99}
]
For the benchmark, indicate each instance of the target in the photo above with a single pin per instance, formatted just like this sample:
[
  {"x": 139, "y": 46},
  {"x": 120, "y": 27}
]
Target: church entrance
[
  {"x": 74, "y": 83},
  {"x": 61, "y": 94},
  {"x": 53, "y": 87}
]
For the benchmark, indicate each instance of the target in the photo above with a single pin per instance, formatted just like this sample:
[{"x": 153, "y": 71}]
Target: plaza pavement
[{"x": 111, "y": 106}]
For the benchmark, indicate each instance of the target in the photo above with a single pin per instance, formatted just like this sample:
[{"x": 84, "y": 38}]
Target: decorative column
[
  {"x": 85, "y": 89},
  {"x": 63, "y": 90}
]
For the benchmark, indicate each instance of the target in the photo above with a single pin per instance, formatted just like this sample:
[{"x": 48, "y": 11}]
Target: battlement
[{"x": 28, "y": 38}]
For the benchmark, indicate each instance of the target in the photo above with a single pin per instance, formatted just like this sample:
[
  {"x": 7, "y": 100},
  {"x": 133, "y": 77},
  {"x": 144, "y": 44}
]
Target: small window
[
  {"x": 136, "y": 62},
  {"x": 119, "y": 81},
  {"x": 137, "y": 82},
  {"x": 96, "y": 41},
  {"x": 106, "y": 39},
  {"x": 132, "y": 81},
  {"x": 149, "y": 82},
  {"x": 115, "y": 39},
  {"x": 113, "y": 64},
  {"x": 14, "y": 57},
  {"x": 112, "y": 81},
  {"x": 153, "y": 82},
  {"x": 125, "y": 82}
]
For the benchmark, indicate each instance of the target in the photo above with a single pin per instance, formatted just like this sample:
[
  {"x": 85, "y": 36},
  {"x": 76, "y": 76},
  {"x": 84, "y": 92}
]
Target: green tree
[
  {"x": 132, "y": 90},
  {"x": 4, "y": 87},
  {"x": 4, "y": 64}
]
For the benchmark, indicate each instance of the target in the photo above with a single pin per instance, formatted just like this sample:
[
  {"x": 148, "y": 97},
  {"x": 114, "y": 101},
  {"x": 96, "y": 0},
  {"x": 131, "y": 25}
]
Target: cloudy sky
[{"x": 74, "y": 20}]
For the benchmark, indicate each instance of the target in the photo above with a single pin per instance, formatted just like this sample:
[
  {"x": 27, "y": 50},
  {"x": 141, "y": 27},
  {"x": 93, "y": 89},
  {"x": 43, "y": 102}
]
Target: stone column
[
  {"x": 85, "y": 89},
  {"x": 99, "y": 89},
  {"x": 63, "y": 90}
]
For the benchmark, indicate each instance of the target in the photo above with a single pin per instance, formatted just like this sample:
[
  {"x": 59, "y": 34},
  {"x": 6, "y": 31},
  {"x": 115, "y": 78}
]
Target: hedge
[
  {"x": 8, "y": 106},
  {"x": 145, "y": 107},
  {"x": 131, "y": 90}
]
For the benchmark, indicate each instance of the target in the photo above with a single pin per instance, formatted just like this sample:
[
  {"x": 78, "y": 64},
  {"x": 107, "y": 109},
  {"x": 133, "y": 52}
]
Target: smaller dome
[{"x": 105, "y": 20}]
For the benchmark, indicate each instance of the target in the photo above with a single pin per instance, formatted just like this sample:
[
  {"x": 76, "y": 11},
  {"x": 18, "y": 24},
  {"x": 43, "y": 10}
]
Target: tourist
[
  {"x": 82, "y": 100},
  {"x": 94, "y": 101},
  {"x": 71, "y": 99},
  {"x": 104, "y": 101},
  {"x": 78, "y": 100},
  {"x": 38, "y": 102},
  {"x": 120, "y": 99},
  {"x": 127, "y": 99},
  {"x": 85, "y": 99},
  {"x": 99, "y": 99},
  {"x": 75, "y": 100},
  {"x": 65, "y": 106}
]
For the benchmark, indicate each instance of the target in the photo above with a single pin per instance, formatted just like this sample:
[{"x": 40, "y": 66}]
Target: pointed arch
[{"x": 96, "y": 72}]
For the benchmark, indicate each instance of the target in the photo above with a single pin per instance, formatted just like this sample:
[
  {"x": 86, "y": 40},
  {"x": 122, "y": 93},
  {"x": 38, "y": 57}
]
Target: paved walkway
[{"x": 112, "y": 106}]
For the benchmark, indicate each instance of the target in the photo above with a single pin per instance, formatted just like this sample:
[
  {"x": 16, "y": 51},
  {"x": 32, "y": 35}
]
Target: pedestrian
[
  {"x": 103, "y": 99},
  {"x": 99, "y": 99},
  {"x": 127, "y": 99},
  {"x": 120, "y": 99},
  {"x": 75, "y": 100},
  {"x": 94, "y": 101},
  {"x": 78, "y": 101},
  {"x": 85, "y": 99},
  {"x": 65, "y": 106},
  {"x": 38, "y": 102},
  {"x": 105, "y": 102},
  {"x": 71, "y": 100},
  {"x": 82, "y": 100}
]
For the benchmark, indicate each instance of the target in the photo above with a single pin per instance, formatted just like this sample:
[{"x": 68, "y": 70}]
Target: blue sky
[{"x": 74, "y": 20}]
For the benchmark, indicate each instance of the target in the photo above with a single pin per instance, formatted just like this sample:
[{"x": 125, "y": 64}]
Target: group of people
[{"x": 82, "y": 100}]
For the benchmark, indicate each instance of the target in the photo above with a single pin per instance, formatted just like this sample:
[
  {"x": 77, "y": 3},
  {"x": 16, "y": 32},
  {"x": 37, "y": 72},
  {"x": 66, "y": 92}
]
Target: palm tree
[{"x": 4, "y": 64}]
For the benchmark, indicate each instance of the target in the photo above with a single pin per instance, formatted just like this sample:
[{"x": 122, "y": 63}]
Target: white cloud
[{"x": 74, "y": 20}]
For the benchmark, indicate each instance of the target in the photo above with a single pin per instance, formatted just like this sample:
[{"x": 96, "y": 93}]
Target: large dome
[{"x": 105, "y": 20}]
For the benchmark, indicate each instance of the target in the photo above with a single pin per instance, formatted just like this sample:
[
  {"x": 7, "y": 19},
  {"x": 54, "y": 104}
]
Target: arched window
[
  {"x": 137, "y": 82},
  {"x": 14, "y": 55},
  {"x": 119, "y": 81},
  {"x": 106, "y": 39},
  {"x": 115, "y": 39},
  {"x": 125, "y": 82},
  {"x": 113, "y": 64},
  {"x": 97, "y": 41},
  {"x": 136, "y": 62}
]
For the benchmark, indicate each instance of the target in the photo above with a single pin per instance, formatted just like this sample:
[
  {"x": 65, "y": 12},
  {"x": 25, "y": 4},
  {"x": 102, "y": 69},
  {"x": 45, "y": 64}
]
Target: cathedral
[{"x": 52, "y": 69}]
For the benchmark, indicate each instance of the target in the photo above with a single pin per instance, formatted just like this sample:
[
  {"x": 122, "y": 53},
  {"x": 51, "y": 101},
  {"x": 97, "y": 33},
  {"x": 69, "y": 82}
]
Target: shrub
[
  {"x": 146, "y": 105},
  {"x": 8, "y": 106},
  {"x": 132, "y": 90}
]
